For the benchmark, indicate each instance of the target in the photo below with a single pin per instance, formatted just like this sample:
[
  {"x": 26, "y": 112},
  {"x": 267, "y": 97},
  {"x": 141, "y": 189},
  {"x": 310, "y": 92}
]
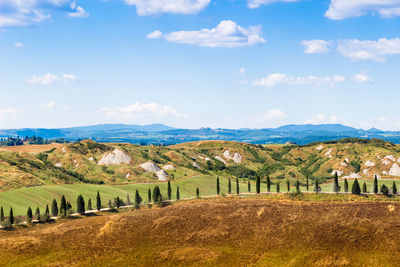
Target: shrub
[
  {"x": 6, "y": 225},
  {"x": 356, "y": 190},
  {"x": 384, "y": 190},
  {"x": 156, "y": 193}
]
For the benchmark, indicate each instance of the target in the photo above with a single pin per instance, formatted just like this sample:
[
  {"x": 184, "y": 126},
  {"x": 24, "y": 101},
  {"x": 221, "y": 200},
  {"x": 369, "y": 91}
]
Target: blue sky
[{"x": 195, "y": 63}]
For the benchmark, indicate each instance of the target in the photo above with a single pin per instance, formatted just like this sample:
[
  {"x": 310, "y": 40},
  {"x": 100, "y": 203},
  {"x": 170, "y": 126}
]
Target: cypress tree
[
  {"x": 394, "y": 188},
  {"x": 278, "y": 189},
  {"x": 229, "y": 186},
  {"x": 80, "y": 205},
  {"x": 288, "y": 185},
  {"x": 384, "y": 190},
  {"x": 297, "y": 186},
  {"x": 237, "y": 187},
  {"x": 149, "y": 196},
  {"x": 346, "y": 186},
  {"x": 89, "y": 204},
  {"x": 29, "y": 215},
  {"x": 178, "y": 195},
  {"x": 218, "y": 189},
  {"x": 307, "y": 183},
  {"x": 128, "y": 199},
  {"x": 156, "y": 193},
  {"x": 364, "y": 189},
  {"x": 98, "y": 201},
  {"x": 355, "y": 189},
  {"x": 63, "y": 206},
  {"x": 197, "y": 192},
  {"x": 248, "y": 186},
  {"x": 118, "y": 202},
  {"x": 110, "y": 206},
  {"x": 69, "y": 206},
  {"x": 169, "y": 190},
  {"x": 316, "y": 189},
  {"x": 336, "y": 187},
  {"x": 11, "y": 217},
  {"x": 37, "y": 213},
  {"x": 258, "y": 185},
  {"x": 47, "y": 211},
  {"x": 376, "y": 184},
  {"x": 1, "y": 214},
  {"x": 54, "y": 208},
  {"x": 138, "y": 199},
  {"x": 268, "y": 184}
]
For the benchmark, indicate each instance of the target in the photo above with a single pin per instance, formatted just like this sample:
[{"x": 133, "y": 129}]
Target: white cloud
[
  {"x": 342, "y": 9},
  {"x": 49, "y": 78},
  {"x": 78, "y": 11},
  {"x": 316, "y": 46},
  {"x": 154, "y": 35},
  {"x": 139, "y": 110},
  {"x": 275, "y": 79},
  {"x": 226, "y": 34},
  {"x": 49, "y": 105},
  {"x": 16, "y": 13},
  {"x": 151, "y": 7},
  {"x": 242, "y": 71},
  {"x": 270, "y": 115},
  {"x": 357, "y": 50},
  {"x": 8, "y": 112},
  {"x": 258, "y": 3},
  {"x": 362, "y": 77},
  {"x": 323, "y": 119},
  {"x": 17, "y": 44}
]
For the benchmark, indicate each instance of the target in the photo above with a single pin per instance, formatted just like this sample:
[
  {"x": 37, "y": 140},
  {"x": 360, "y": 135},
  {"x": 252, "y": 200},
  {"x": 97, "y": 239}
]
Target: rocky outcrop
[
  {"x": 150, "y": 167},
  {"x": 237, "y": 158},
  {"x": 196, "y": 165},
  {"x": 116, "y": 157},
  {"x": 91, "y": 158},
  {"x": 58, "y": 165},
  {"x": 220, "y": 159},
  {"x": 168, "y": 167},
  {"x": 394, "y": 170},
  {"x": 369, "y": 163},
  {"x": 319, "y": 147}
]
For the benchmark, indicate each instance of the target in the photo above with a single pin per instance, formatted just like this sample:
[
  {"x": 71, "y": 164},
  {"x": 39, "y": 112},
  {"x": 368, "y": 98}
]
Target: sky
[{"x": 200, "y": 63}]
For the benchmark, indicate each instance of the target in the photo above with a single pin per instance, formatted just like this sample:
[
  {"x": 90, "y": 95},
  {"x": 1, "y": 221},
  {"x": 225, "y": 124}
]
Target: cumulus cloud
[
  {"x": 16, "y": 13},
  {"x": 322, "y": 119},
  {"x": 342, "y": 9},
  {"x": 151, "y": 7},
  {"x": 378, "y": 50},
  {"x": 276, "y": 79},
  {"x": 258, "y": 3},
  {"x": 139, "y": 110},
  {"x": 49, "y": 78},
  {"x": 362, "y": 77},
  {"x": 8, "y": 112},
  {"x": 226, "y": 34},
  {"x": 316, "y": 46}
]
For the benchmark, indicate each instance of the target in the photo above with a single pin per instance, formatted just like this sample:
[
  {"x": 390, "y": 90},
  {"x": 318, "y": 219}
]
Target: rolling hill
[{"x": 89, "y": 162}]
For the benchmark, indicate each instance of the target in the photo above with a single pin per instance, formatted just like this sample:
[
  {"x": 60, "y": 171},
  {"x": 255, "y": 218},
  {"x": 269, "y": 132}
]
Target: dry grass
[
  {"x": 228, "y": 232},
  {"x": 30, "y": 148}
]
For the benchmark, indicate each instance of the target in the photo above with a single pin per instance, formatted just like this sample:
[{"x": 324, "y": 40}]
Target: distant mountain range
[{"x": 165, "y": 135}]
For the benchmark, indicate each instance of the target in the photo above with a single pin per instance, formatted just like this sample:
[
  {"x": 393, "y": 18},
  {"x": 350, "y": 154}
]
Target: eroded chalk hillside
[{"x": 91, "y": 162}]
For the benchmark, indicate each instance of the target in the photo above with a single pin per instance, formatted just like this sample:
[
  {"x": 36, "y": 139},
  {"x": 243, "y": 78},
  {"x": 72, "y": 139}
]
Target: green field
[{"x": 21, "y": 199}]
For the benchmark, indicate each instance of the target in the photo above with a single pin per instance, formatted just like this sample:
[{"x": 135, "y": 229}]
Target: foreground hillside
[
  {"x": 230, "y": 232},
  {"x": 96, "y": 163}
]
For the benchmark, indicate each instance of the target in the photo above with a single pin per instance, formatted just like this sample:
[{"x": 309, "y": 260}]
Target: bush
[
  {"x": 384, "y": 190},
  {"x": 6, "y": 225}
]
